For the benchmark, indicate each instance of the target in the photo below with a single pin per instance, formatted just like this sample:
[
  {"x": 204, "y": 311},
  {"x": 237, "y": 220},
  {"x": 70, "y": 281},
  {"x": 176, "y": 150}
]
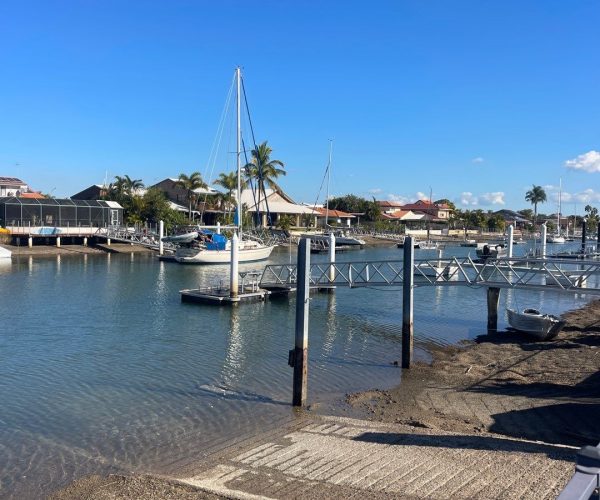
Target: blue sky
[{"x": 475, "y": 100}]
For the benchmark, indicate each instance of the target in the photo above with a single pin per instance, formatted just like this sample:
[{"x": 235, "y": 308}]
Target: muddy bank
[{"x": 506, "y": 384}]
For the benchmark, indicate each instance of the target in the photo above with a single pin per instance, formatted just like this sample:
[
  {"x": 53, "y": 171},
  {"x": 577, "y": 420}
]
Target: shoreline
[{"x": 503, "y": 383}]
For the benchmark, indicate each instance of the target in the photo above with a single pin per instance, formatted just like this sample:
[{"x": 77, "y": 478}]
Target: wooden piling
[
  {"x": 583, "y": 237},
  {"x": 493, "y": 298},
  {"x": 300, "y": 354},
  {"x": 407, "y": 303}
]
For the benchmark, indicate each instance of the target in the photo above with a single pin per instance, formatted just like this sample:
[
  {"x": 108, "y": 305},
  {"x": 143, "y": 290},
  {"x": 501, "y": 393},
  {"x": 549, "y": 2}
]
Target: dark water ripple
[{"x": 103, "y": 369}]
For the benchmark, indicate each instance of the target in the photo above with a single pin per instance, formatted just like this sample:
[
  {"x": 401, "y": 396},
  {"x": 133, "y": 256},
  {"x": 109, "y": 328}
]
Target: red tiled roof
[
  {"x": 36, "y": 196},
  {"x": 391, "y": 204},
  {"x": 395, "y": 215},
  {"x": 333, "y": 213}
]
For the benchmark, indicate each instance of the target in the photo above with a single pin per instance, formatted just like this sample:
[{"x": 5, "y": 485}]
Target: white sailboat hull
[
  {"x": 204, "y": 256},
  {"x": 555, "y": 239},
  {"x": 532, "y": 322},
  {"x": 5, "y": 253}
]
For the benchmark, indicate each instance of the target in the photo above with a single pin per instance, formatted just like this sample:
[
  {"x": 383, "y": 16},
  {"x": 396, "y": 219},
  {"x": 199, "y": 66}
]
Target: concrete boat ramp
[{"x": 333, "y": 457}]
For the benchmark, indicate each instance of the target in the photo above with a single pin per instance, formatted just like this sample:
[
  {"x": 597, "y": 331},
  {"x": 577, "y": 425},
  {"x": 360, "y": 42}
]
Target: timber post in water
[
  {"x": 299, "y": 356},
  {"x": 407, "y": 303},
  {"x": 583, "y": 237},
  {"x": 493, "y": 297}
]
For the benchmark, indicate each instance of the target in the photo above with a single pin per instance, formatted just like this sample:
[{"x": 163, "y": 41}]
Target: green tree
[
  {"x": 190, "y": 184},
  {"x": 591, "y": 217},
  {"x": 229, "y": 183},
  {"x": 446, "y": 201},
  {"x": 262, "y": 168},
  {"x": 527, "y": 213},
  {"x": 534, "y": 196}
]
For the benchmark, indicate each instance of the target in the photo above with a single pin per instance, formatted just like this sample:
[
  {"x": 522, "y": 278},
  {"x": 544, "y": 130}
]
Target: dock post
[
  {"x": 407, "y": 302},
  {"x": 161, "y": 234},
  {"x": 233, "y": 278},
  {"x": 331, "y": 259},
  {"x": 583, "y": 237},
  {"x": 300, "y": 353},
  {"x": 511, "y": 239},
  {"x": 30, "y": 241},
  {"x": 493, "y": 298},
  {"x": 85, "y": 241},
  {"x": 58, "y": 241},
  {"x": 218, "y": 228},
  {"x": 543, "y": 235}
]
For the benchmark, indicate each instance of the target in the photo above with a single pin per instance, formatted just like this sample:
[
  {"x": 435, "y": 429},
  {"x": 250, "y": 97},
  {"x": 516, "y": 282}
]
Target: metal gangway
[
  {"x": 145, "y": 237},
  {"x": 563, "y": 275}
]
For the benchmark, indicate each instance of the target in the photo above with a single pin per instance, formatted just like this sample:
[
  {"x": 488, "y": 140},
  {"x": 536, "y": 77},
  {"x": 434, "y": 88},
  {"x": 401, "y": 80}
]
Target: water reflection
[
  {"x": 331, "y": 328},
  {"x": 234, "y": 354}
]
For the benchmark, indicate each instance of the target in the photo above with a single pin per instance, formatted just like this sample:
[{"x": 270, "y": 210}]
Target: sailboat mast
[
  {"x": 559, "y": 206},
  {"x": 239, "y": 151},
  {"x": 328, "y": 178}
]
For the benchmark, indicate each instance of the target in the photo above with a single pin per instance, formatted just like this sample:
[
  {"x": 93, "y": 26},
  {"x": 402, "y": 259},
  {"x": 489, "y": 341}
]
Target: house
[
  {"x": 12, "y": 186},
  {"x": 437, "y": 212},
  {"x": 389, "y": 207},
  {"x": 404, "y": 216},
  {"x": 276, "y": 203},
  {"x": 177, "y": 194},
  {"x": 325, "y": 217},
  {"x": 94, "y": 192},
  {"x": 514, "y": 218}
]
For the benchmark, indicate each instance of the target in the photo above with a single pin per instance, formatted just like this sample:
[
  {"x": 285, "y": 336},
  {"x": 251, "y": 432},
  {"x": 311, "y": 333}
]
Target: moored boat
[
  {"x": 534, "y": 323},
  {"x": 490, "y": 250}
]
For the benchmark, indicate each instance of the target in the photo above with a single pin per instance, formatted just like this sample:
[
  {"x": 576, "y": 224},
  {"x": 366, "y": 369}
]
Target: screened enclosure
[{"x": 59, "y": 212}]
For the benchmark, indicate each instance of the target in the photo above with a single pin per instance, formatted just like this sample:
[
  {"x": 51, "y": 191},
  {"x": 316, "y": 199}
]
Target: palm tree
[
  {"x": 263, "y": 169},
  {"x": 534, "y": 196},
  {"x": 229, "y": 182},
  {"x": 190, "y": 184},
  {"x": 126, "y": 185}
]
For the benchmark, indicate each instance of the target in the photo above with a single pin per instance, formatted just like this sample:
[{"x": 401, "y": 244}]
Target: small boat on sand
[{"x": 534, "y": 323}]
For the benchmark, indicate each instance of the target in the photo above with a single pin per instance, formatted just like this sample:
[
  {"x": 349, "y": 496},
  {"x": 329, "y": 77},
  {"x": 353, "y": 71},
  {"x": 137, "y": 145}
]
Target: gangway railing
[{"x": 520, "y": 273}]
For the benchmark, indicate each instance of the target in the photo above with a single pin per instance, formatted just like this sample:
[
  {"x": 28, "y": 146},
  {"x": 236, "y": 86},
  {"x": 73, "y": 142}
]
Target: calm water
[{"x": 102, "y": 368}]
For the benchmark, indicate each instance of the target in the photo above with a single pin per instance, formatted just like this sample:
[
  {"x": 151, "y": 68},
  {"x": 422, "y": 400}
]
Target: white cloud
[
  {"x": 421, "y": 196},
  {"x": 485, "y": 199},
  {"x": 588, "y": 162},
  {"x": 496, "y": 198},
  {"x": 477, "y": 159},
  {"x": 375, "y": 191},
  {"x": 398, "y": 198},
  {"x": 467, "y": 198}
]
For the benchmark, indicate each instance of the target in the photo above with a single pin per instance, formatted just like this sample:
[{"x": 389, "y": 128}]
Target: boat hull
[
  {"x": 539, "y": 326},
  {"x": 224, "y": 256}
]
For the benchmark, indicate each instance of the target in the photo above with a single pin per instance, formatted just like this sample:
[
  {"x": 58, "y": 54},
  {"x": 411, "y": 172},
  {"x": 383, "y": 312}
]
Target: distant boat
[
  {"x": 534, "y": 323},
  {"x": 490, "y": 251},
  {"x": 341, "y": 238},
  {"x": 181, "y": 238},
  {"x": 469, "y": 243},
  {"x": 555, "y": 238}
]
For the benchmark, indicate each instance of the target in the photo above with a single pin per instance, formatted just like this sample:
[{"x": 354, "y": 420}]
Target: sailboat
[
  {"x": 557, "y": 238},
  {"x": 342, "y": 238},
  {"x": 209, "y": 247}
]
